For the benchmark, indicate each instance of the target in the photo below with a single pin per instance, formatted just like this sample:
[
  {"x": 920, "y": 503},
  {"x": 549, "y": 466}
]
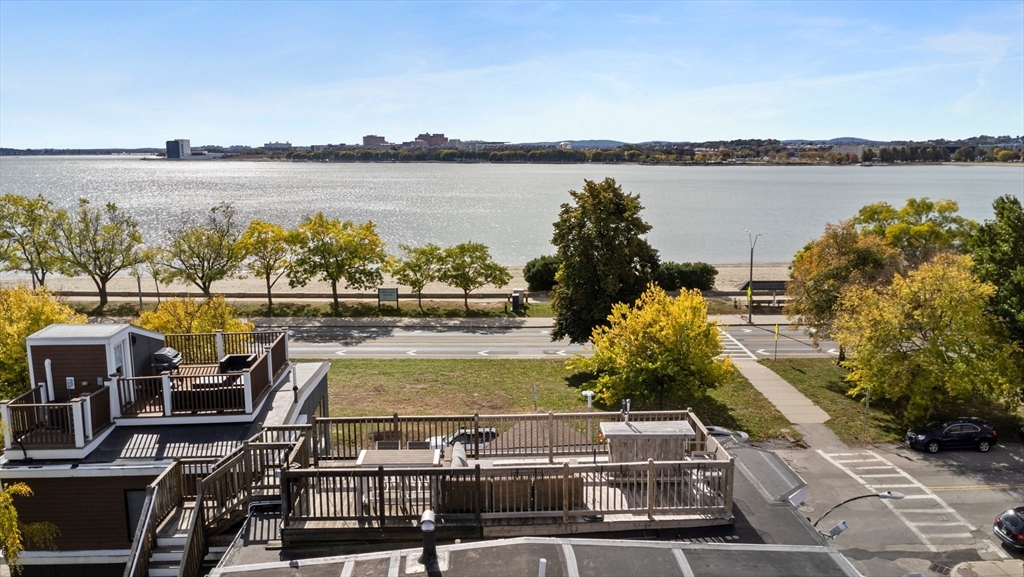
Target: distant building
[
  {"x": 321, "y": 147},
  {"x": 238, "y": 148},
  {"x": 179, "y": 148},
  {"x": 565, "y": 145},
  {"x": 373, "y": 140},
  {"x": 432, "y": 140},
  {"x": 857, "y": 149},
  {"x": 278, "y": 146}
]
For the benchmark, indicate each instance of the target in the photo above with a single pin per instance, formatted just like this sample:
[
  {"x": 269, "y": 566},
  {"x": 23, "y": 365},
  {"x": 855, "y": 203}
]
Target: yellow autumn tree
[
  {"x": 661, "y": 352},
  {"x": 926, "y": 341},
  {"x": 188, "y": 315},
  {"x": 22, "y": 312},
  {"x": 14, "y": 534}
]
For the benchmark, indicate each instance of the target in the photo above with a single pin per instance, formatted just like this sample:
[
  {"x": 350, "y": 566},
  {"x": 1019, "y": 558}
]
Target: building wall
[
  {"x": 90, "y": 512},
  {"x": 81, "y": 362}
]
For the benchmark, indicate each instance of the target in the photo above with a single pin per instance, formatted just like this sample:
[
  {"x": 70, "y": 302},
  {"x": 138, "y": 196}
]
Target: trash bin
[{"x": 517, "y": 300}]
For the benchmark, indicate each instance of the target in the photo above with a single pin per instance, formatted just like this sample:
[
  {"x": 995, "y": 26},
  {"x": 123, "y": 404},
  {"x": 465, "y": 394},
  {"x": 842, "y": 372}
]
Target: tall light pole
[{"x": 750, "y": 285}]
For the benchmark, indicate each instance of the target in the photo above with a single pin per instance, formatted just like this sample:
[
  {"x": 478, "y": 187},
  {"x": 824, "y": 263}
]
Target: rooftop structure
[
  {"x": 278, "y": 146},
  {"x": 178, "y": 149}
]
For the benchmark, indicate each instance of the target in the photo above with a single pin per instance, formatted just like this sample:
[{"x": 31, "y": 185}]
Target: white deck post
[
  {"x": 220, "y": 344},
  {"x": 270, "y": 365},
  {"x": 87, "y": 414},
  {"x": 115, "y": 399},
  {"x": 79, "y": 422},
  {"x": 167, "y": 394},
  {"x": 5, "y": 416},
  {"x": 247, "y": 387},
  {"x": 287, "y": 351}
]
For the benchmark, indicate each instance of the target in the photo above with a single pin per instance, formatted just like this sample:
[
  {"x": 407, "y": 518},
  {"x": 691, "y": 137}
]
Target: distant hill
[{"x": 579, "y": 143}]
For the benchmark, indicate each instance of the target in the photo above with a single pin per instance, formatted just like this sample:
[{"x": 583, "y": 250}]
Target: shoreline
[{"x": 729, "y": 275}]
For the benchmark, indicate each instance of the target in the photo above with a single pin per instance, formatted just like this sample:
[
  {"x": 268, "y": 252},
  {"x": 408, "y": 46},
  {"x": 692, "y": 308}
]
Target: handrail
[
  {"x": 142, "y": 542},
  {"x": 195, "y": 541}
]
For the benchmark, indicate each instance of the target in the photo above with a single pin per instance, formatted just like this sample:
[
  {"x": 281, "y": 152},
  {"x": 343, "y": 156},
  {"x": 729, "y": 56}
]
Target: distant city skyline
[{"x": 113, "y": 74}]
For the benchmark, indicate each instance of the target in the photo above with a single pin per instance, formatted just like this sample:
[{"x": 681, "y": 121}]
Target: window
[
  {"x": 134, "y": 501},
  {"x": 969, "y": 428}
]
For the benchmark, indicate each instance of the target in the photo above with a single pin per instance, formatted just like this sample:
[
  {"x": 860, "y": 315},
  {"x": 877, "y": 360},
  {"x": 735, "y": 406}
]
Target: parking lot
[{"x": 951, "y": 499}]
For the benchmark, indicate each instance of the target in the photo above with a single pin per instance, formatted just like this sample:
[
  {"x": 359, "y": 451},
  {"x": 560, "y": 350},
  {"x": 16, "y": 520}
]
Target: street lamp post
[
  {"x": 886, "y": 495},
  {"x": 750, "y": 284}
]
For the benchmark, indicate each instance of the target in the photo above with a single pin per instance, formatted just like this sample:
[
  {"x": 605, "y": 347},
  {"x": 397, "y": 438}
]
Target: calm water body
[{"x": 698, "y": 213}]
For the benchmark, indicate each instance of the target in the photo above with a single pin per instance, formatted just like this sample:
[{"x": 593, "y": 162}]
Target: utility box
[{"x": 518, "y": 300}]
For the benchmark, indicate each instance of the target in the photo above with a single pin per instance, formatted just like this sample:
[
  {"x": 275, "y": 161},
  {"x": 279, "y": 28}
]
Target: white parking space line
[{"x": 923, "y": 493}]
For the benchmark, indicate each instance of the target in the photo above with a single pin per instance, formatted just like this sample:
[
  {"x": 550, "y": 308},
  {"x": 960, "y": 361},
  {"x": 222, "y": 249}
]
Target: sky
[{"x": 122, "y": 74}]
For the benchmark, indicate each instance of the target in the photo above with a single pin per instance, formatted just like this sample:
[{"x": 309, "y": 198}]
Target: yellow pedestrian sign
[{"x": 776, "y": 342}]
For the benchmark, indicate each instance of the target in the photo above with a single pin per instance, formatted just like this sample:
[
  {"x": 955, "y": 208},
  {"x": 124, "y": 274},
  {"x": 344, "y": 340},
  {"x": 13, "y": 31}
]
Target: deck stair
[{"x": 170, "y": 542}]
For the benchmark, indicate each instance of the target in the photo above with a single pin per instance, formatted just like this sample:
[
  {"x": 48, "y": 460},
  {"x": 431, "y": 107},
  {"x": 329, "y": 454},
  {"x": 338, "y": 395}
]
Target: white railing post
[
  {"x": 87, "y": 413},
  {"x": 247, "y": 387},
  {"x": 5, "y": 416},
  {"x": 270, "y": 365},
  {"x": 220, "y": 344},
  {"x": 287, "y": 352},
  {"x": 42, "y": 393},
  {"x": 115, "y": 399},
  {"x": 79, "y": 422},
  {"x": 168, "y": 410}
]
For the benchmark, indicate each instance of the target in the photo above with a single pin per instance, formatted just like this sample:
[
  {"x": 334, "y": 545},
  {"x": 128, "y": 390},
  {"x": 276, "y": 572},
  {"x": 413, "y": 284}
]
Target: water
[{"x": 698, "y": 213}]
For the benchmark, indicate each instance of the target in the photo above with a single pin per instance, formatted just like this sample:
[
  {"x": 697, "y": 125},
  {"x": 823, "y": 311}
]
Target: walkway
[{"x": 790, "y": 402}]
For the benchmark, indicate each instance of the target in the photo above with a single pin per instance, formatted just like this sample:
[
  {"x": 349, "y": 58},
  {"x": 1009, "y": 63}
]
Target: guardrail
[
  {"x": 535, "y": 434},
  {"x": 163, "y": 495},
  {"x": 209, "y": 348}
]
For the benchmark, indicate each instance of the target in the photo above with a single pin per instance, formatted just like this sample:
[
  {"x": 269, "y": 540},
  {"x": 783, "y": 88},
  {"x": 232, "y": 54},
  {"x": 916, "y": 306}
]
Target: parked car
[
  {"x": 965, "y": 432},
  {"x": 722, "y": 434},
  {"x": 1009, "y": 526},
  {"x": 484, "y": 436}
]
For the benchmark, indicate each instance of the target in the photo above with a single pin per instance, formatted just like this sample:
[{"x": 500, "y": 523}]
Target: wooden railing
[
  {"x": 141, "y": 395},
  {"x": 195, "y": 349},
  {"x": 279, "y": 353},
  {"x": 99, "y": 409},
  {"x": 534, "y": 434},
  {"x": 42, "y": 424},
  {"x": 253, "y": 468},
  {"x": 163, "y": 495},
  {"x": 259, "y": 377},
  {"x": 195, "y": 541},
  {"x": 471, "y": 496},
  {"x": 144, "y": 539},
  {"x": 205, "y": 393}
]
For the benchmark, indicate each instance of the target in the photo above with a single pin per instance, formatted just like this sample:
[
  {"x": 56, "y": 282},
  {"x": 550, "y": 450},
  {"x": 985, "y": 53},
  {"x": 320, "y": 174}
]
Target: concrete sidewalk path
[
  {"x": 1004, "y": 568},
  {"x": 791, "y": 403},
  {"x": 473, "y": 322}
]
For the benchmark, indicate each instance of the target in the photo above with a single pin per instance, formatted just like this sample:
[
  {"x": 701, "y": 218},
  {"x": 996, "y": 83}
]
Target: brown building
[
  {"x": 433, "y": 140},
  {"x": 117, "y": 430},
  {"x": 373, "y": 140}
]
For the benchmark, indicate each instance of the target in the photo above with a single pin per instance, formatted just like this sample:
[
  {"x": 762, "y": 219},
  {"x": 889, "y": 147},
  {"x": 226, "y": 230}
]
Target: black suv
[{"x": 964, "y": 432}]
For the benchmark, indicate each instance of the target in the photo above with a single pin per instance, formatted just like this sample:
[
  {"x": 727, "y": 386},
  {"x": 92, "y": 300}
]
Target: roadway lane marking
[
  {"x": 926, "y": 493},
  {"x": 412, "y": 352},
  {"x": 341, "y": 353},
  {"x": 482, "y": 353},
  {"x": 732, "y": 346},
  {"x": 975, "y": 487},
  {"x": 883, "y": 475}
]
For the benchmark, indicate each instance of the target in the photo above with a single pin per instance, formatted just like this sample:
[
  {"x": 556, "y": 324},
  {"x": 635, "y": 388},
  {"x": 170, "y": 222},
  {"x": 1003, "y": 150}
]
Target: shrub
[
  {"x": 540, "y": 272},
  {"x": 672, "y": 276}
]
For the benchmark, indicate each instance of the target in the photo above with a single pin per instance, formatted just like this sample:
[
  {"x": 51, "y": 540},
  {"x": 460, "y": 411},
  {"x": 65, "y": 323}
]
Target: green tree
[
  {"x": 673, "y": 276},
  {"x": 334, "y": 251},
  {"x": 605, "y": 259},
  {"x": 205, "y": 250},
  {"x": 420, "y": 266},
  {"x": 14, "y": 534},
  {"x": 23, "y": 312},
  {"x": 468, "y": 266},
  {"x": 97, "y": 242},
  {"x": 540, "y": 272},
  {"x": 920, "y": 230},
  {"x": 268, "y": 252},
  {"x": 660, "y": 353},
  {"x": 188, "y": 315},
  {"x": 998, "y": 253},
  {"x": 925, "y": 341},
  {"x": 841, "y": 258},
  {"x": 25, "y": 226},
  {"x": 964, "y": 154}
]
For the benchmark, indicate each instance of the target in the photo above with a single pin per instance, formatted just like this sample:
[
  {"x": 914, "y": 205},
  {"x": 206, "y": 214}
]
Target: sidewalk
[
  {"x": 1005, "y": 568},
  {"x": 790, "y": 402}
]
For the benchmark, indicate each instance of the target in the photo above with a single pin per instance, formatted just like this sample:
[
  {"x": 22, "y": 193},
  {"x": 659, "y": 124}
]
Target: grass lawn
[
  {"x": 822, "y": 382},
  {"x": 363, "y": 387}
]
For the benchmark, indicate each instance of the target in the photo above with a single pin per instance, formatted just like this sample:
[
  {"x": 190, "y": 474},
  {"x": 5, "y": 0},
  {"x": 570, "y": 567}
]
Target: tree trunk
[
  {"x": 465, "y": 299},
  {"x": 842, "y": 355},
  {"x": 205, "y": 287},
  {"x": 419, "y": 299},
  {"x": 334, "y": 292},
  {"x": 101, "y": 287},
  {"x": 270, "y": 299}
]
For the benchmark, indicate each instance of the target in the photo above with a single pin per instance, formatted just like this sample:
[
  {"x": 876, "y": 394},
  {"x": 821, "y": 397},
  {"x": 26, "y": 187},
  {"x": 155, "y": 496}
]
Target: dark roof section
[{"x": 764, "y": 285}]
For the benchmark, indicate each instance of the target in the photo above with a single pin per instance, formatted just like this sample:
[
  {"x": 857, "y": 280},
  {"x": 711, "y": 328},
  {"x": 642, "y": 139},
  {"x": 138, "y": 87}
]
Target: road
[
  {"x": 945, "y": 518},
  {"x": 520, "y": 343}
]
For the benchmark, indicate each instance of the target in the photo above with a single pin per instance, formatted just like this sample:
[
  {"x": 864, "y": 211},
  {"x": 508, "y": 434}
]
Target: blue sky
[{"x": 84, "y": 74}]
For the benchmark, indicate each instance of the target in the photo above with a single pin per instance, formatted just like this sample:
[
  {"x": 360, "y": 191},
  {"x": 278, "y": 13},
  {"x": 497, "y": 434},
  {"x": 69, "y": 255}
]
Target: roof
[{"x": 103, "y": 331}]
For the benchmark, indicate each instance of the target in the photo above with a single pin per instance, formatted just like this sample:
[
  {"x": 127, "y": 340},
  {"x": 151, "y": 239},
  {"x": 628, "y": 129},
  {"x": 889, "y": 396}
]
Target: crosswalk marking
[
  {"x": 732, "y": 347},
  {"x": 914, "y": 490}
]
